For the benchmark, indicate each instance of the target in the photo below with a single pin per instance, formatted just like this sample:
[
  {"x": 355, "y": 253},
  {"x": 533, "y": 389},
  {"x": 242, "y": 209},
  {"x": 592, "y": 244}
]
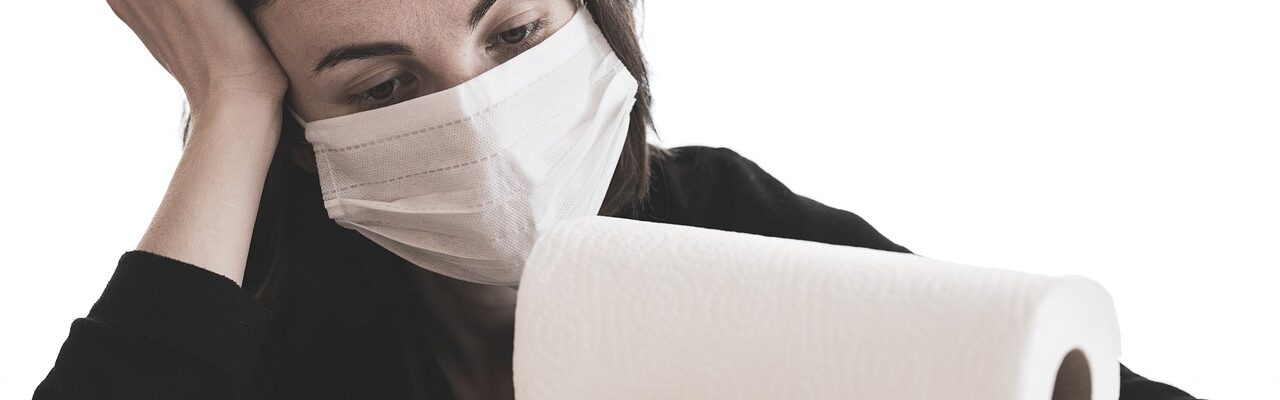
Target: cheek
[
  {"x": 302, "y": 102},
  {"x": 561, "y": 12},
  {"x": 565, "y": 8}
]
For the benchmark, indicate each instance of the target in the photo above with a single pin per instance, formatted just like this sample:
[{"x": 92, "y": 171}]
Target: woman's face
[{"x": 347, "y": 56}]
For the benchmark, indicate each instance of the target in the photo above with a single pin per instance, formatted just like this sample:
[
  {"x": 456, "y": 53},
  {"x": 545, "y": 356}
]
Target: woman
[{"x": 357, "y": 193}]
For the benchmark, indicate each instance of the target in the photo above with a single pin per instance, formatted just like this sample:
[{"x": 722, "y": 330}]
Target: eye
[
  {"x": 385, "y": 93},
  {"x": 515, "y": 40},
  {"x": 384, "y": 90},
  {"x": 513, "y": 36}
]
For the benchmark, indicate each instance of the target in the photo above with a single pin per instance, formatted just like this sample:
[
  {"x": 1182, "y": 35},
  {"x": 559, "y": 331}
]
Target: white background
[{"x": 1132, "y": 142}]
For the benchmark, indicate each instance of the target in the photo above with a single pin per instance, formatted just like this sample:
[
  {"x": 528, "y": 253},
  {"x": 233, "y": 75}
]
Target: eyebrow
[
  {"x": 478, "y": 12},
  {"x": 359, "y": 52}
]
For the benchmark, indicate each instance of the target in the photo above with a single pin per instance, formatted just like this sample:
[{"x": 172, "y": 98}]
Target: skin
[
  {"x": 237, "y": 82},
  {"x": 444, "y": 50}
]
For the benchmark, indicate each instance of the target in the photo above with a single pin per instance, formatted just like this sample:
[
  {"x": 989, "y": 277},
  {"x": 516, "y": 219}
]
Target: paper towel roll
[{"x": 618, "y": 309}]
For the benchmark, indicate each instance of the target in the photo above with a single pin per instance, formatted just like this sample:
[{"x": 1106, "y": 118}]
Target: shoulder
[
  {"x": 700, "y": 173},
  {"x": 720, "y": 166},
  {"x": 717, "y": 188}
]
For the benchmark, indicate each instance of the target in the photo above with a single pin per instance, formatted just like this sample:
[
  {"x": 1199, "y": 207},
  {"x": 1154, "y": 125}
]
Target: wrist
[
  {"x": 243, "y": 120},
  {"x": 235, "y": 95}
]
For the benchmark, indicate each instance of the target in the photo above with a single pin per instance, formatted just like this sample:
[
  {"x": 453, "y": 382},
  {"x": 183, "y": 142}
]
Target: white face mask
[{"x": 463, "y": 181}]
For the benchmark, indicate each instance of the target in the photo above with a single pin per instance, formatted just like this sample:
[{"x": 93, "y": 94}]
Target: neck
[{"x": 474, "y": 328}]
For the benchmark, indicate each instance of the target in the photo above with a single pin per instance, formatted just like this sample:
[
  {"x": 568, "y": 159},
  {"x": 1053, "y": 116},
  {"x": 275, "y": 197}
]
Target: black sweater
[{"x": 164, "y": 329}]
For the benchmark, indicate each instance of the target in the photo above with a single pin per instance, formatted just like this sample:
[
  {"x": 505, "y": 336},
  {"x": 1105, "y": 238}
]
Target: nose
[{"x": 457, "y": 68}]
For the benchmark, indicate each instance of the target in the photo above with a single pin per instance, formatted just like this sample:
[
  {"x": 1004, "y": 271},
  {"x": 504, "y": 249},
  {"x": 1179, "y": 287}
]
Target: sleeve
[
  {"x": 752, "y": 201},
  {"x": 1136, "y": 387},
  {"x": 161, "y": 329}
]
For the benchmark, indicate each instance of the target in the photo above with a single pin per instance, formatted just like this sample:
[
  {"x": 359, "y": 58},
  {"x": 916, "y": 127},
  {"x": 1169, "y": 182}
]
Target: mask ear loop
[
  {"x": 295, "y": 115},
  {"x": 302, "y": 139}
]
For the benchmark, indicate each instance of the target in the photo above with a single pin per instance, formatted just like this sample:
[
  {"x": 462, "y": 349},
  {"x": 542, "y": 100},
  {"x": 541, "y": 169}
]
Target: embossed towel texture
[{"x": 623, "y": 309}]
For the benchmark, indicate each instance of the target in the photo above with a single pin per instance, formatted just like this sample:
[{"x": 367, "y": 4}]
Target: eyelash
[
  {"x": 365, "y": 100},
  {"x": 532, "y": 37}
]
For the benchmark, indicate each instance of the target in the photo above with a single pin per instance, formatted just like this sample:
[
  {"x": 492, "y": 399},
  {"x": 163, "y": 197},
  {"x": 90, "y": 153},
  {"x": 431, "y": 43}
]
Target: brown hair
[{"x": 297, "y": 249}]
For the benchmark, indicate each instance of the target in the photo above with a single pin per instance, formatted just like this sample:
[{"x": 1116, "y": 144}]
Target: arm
[
  {"x": 165, "y": 328},
  {"x": 236, "y": 91},
  {"x": 208, "y": 212},
  {"x": 161, "y": 329}
]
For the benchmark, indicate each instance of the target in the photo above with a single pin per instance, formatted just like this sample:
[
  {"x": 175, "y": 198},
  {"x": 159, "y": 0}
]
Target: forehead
[{"x": 302, "y": 25}]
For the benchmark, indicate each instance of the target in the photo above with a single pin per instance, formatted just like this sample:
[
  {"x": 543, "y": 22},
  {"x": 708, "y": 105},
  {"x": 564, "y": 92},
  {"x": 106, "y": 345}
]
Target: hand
[{"x": 209, "y": 46}]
